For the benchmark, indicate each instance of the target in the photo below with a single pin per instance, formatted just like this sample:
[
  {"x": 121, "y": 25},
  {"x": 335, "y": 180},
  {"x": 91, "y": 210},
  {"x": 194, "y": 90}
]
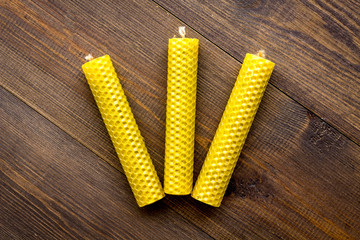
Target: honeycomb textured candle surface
[
  {"x": 123, "y": 130},
  {"x": 232, "y": 131},
  {"x": 180, "y": 115}
]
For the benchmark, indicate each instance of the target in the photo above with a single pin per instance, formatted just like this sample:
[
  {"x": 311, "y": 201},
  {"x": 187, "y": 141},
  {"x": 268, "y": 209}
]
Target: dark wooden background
[{"x": 298, "y": 176}]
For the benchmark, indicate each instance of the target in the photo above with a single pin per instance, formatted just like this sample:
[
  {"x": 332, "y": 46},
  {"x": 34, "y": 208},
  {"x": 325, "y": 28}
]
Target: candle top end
[
  {"x": 256, "y": 56},
  {"x": 90, "y": 61},
  {"x": 182, "y": 33}
]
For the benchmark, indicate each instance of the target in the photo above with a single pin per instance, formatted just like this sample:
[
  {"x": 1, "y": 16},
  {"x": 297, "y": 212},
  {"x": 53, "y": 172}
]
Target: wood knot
[
  {"x": 321, "y": 135},
  {"x": 248, "y": 183}
]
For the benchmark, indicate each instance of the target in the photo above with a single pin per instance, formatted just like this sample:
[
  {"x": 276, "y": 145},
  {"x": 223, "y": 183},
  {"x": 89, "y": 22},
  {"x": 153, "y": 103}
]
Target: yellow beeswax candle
[
  {"x": 180, "y": 114},
  {"x": 233, "y": 129},
  {"x": 123, "y": 130}
]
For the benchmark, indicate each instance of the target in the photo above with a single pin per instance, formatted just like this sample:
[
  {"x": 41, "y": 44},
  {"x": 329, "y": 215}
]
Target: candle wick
[
  {"x": 89, "y": 57},
  {"x": 261, "y": 53},
  {"x": 182, "y": 31}
]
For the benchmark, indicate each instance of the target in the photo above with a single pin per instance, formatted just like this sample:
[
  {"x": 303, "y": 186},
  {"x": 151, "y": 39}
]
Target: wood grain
[
  {"x": 52, "y": 187},
  {"x": 315, "y": 45},
  {"x": 297, "y": 178}
]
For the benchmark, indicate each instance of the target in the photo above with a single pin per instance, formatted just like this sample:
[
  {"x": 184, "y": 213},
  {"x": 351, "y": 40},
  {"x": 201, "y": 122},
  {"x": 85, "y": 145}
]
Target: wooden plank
[
  {"x": 297, "y": 177},
  {"x": 52, "y": 187},
  {"x": 315, "y": 45}
]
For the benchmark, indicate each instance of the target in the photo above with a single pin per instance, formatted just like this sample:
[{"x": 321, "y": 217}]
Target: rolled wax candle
[
  {"x": 123, "y": 130},
  {"x": 180, "y": 114},
  {"x": 233, "y": 129}
]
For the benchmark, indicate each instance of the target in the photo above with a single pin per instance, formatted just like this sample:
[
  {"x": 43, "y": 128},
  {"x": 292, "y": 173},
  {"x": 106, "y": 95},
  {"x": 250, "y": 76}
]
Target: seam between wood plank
[
  {"x": 98, "y": 155},
  {"x": 286, "y": 94}
]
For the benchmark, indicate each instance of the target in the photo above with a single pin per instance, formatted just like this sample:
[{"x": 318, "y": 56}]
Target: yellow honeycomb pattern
[
  {"x": 180, "y": 115},
  {"x": 233, "y": 129},
  {"x": 123, "y": 130}
]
